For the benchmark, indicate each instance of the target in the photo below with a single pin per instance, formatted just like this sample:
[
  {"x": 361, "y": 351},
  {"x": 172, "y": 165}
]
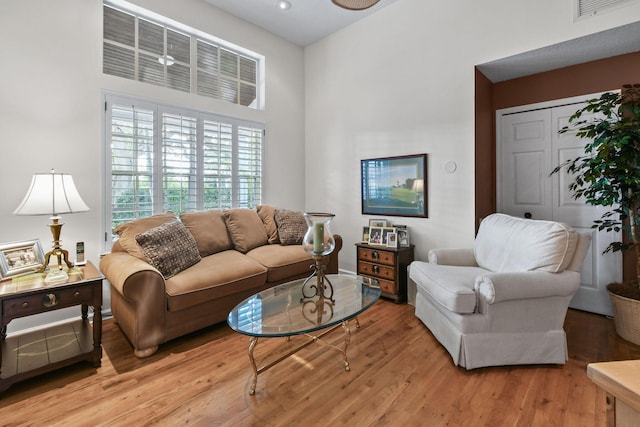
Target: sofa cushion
[
  {"x": 268, "y": 216},
  {"x": 170, "y": 247},
  {"x": 282, "y": 262},
  {"x": 506, "y": 243},
  {"x": 451, "y": 286},
  {"x": 127, "y": 232},
  {"x": 291, "y": 226},
  {"x": 216, "y": 276},
  {"x": 245, "y": 228},
  {"x": 209, "y": 230}
]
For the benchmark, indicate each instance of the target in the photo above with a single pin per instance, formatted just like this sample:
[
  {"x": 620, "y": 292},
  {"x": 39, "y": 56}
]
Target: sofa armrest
[
  {"x": 332, "y": 263},
  {"x": 141, "y": 308},
  {"x": 120, "y": 267},
  {"x": 457, "y": 256},
  {"x": 497, "y": 287}
]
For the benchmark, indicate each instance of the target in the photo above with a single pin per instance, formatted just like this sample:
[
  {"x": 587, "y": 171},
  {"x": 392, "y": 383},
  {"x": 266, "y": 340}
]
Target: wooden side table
[
  {"x": 388, "y": 266},
  {"x": 621, "y": 381},
  {"x": 24, "y": 355}
]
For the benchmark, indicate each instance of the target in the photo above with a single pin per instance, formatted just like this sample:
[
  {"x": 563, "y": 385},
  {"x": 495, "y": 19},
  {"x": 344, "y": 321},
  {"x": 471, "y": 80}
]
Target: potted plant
[{"x": 608, "y": 174}]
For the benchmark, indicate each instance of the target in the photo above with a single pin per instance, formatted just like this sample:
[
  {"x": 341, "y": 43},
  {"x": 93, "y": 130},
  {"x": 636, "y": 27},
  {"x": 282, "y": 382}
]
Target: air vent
[{"x": 586, "y": 8}]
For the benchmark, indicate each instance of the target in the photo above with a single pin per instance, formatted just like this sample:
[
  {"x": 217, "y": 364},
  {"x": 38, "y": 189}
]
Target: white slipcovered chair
[{"x": 504, "y": 301}]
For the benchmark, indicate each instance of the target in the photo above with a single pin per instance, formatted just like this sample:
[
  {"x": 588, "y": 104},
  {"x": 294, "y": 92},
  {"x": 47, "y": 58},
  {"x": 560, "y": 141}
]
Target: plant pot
[{"x": 626, "y": 317}]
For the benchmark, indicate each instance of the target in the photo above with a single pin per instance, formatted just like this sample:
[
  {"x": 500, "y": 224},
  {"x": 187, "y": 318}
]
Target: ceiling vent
[{"x": 585, "y": 8}]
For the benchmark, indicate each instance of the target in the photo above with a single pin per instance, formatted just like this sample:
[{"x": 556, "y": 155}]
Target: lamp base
[{"x": 56, "y": 276}]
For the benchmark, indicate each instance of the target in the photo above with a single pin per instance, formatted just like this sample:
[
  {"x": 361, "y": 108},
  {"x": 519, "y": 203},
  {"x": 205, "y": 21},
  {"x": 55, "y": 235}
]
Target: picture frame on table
[
  {"x": 375, "y": 236},
  {"x": 404, "y": 240},
  {"x": 392, "y": 240},
  {"x": 365, "y": 234},
  {"x": 378, "y": 223},
  {"x": 385, "y": 234},
  {"x": 20, "y": 257}
]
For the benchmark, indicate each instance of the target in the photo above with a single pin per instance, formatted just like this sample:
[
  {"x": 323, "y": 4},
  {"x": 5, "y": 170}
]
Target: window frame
[{"x": 158, "y": 108}]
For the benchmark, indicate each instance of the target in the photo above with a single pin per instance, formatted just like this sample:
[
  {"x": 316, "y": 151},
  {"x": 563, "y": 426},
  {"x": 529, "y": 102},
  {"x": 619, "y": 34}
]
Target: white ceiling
[{"x": 306, "y": 22}]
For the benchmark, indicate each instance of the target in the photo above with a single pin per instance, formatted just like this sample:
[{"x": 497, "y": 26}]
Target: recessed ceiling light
[{"x": 284, "y": 5}]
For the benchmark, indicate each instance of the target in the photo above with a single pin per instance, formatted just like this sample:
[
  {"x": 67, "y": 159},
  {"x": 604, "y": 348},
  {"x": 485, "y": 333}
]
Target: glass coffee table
[{"x": 283, "y": 311}]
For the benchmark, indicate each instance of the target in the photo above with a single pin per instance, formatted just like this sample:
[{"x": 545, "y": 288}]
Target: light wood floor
[{"x": 399, "y": 376}]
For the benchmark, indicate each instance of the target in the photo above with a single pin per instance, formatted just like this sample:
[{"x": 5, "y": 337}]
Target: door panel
[
  {"x": 529, "y": 148},
  {"x": 525, "y": 155}
]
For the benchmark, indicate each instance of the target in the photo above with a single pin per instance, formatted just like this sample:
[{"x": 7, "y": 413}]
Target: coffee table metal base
[{"x": 312, "y": 338}]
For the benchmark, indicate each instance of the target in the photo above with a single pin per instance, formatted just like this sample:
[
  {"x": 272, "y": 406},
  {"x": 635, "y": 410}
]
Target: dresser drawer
[
  {"x": 388, "y": 287},
  {"x": 376, "y": 270},
  {"x": 376, "y": 256},
  {"x": 39, "y": 303}
]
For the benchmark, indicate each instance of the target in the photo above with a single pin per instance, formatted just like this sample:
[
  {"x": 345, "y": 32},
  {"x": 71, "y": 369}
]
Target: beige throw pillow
[
  {"x": 245, "y": 228},
  {"x": 127, "y": 232},
  {"x": 170, "y": 247},
  {"x": 267, "y": 215},
  {"x": 209, "y": 230},
  {"x": 291, "y": 226}
]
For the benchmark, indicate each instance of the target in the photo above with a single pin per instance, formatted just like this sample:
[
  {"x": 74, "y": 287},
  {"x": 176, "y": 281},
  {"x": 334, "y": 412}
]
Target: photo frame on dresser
[
  {"x": 392, "y": 240},
  {"x": 375, "y": 236},
  {"x": 20, "y": 257}
]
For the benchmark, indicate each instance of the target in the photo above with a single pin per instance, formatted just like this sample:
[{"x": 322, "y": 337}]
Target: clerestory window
[{"x": 138, "y": 47}]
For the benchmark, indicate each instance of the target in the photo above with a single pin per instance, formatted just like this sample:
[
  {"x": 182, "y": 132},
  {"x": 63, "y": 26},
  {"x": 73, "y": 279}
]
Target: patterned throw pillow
[
  {"x": 291, "y": 226},
  {"x": 127, "y": 232},
  {"x": 170, "y": 247}
]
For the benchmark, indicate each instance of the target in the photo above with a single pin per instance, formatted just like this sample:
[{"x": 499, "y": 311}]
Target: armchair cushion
[
  {"x": 451, "y": 286},
  {"x": 506, "y": 243}
]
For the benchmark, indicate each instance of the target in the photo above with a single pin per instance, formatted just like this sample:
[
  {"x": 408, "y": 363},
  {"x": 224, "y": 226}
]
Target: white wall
[
  {"x": 401, "y": 81},
  {"x": 51, "y": 112}
]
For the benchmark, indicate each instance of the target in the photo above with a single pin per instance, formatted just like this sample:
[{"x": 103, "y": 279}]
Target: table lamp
[{"x": 53, "y": 194}]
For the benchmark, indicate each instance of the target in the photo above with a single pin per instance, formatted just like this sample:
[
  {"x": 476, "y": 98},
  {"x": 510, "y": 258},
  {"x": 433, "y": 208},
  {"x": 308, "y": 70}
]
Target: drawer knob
[
  {"x": 50, "y": 300},
  {"x": 76, "y": 294},
  {"x": 375, "y": 255},
  {"x": 376, "y": 269},
  {"x": 25, "y": 305}
]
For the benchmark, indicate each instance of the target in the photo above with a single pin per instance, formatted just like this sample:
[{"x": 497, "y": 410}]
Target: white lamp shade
[
  {"x": 418, "y": 185},
  {"x": 51, "y": 194}
]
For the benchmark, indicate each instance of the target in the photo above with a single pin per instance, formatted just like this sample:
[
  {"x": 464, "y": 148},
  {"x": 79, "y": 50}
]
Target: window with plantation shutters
[
  {"x": 165, "y": 158},
  {"x": 137, "y": 47},
  {"x": 131, "y": 136}
]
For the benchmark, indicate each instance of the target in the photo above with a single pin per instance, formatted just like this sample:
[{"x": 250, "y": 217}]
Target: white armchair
[{"x": 504, "y": 301}]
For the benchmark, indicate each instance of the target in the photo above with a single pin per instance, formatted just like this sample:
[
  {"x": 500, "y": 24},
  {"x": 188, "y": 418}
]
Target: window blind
[{"x": 131, "y": 135}]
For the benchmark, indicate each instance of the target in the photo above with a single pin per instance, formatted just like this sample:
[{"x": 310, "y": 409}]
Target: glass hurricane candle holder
[{"x": 319, "y": 242}]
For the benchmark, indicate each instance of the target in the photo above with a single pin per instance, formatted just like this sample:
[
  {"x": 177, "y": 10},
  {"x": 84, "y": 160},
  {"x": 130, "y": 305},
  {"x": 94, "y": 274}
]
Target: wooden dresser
[{"x": 388, "y": 266}]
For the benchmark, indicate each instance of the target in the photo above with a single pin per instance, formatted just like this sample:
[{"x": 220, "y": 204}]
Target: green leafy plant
[{"x": 608, "y": 174}]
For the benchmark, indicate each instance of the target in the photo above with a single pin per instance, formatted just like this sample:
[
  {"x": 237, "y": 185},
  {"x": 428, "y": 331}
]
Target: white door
[{"x": 529, "y": 147}]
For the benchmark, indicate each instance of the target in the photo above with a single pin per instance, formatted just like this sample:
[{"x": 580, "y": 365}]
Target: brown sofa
[{"x": 237, "y": 253}]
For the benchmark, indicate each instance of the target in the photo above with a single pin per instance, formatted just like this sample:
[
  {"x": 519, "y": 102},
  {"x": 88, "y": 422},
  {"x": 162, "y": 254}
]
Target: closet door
[{"x": 529, "y": 148}]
